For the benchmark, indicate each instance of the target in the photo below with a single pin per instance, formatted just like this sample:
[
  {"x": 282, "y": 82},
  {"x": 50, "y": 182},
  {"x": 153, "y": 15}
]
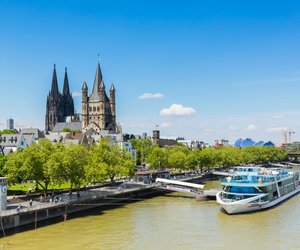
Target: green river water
[{"x": 167, "y": 222}]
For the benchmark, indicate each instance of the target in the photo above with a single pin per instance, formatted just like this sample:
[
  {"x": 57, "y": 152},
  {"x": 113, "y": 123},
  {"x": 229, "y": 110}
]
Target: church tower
[
  {"x": 66, "y": 98},
  {"x": 98, "y": 110},
  {"x": 58, "y": 105}
]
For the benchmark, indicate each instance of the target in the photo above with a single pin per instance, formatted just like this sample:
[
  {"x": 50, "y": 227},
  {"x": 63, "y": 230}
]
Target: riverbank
[{"x": 25, "y": 212}]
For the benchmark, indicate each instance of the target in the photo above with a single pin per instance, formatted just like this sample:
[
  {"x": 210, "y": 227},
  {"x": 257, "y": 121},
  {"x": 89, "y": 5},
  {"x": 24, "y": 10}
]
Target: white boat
[{"x": 250, "y": 189}]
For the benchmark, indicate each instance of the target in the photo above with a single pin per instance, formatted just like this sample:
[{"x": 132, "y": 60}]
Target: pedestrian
[
  {"x": 30, "y": 203},
  {"x": 18, "y": 208}
]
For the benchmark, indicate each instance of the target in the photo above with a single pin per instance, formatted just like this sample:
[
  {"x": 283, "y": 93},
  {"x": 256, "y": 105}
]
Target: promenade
[
  {"x": 25, "y": 210},
  {"x": 21, "y": 204}
]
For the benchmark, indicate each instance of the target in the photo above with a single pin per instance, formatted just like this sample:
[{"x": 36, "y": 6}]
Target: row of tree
[
  {"x": 52, "y": 164},
  {"x": 7, "y": 131},
  {"x": 180, "y": 157}
]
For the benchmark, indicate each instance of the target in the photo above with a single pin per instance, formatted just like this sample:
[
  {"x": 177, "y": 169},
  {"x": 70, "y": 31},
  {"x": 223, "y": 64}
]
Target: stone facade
[
  {"x": 98, "y": 110},
  {"x": 59, "y": 105}
]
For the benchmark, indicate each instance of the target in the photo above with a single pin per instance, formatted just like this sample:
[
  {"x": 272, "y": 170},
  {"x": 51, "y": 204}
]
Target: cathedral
[
  {"x": 59, "y": 105},
  {"x": 98, "y": 110}
]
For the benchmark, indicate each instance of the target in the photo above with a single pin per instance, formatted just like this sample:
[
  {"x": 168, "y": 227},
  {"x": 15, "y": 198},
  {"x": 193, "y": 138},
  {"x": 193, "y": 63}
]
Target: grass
[{"x": 26, "y": 187}]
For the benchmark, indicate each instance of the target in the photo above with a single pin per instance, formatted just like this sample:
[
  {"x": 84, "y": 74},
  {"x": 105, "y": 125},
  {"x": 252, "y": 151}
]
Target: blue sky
[{"x": 204, "y": 70}]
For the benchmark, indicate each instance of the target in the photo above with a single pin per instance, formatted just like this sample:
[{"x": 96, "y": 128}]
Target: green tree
[
  {"x": 13, "y": 167},
  {"x": 3, "y": 160},
  {"x": 177, "y": 157},
  {"x": 66, "y": 130},
  {"x": 74, "y": 162},
  {"x": 8, "y": 131},
  {"x": 143, "y": 148},
  {"x": 95, "y": 169},
  {"x": 107, "y": 161},
  {"x": 55, "y": 164},
  {"x": 118, "y": 162},
  {"x": 157, "y": 158},
  {"x": 210, "y": 158},
  {"x": 193, "y": 161}
]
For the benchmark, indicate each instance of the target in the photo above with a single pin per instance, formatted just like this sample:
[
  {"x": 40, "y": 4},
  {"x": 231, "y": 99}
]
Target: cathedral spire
[
  {"x": 66, "y": 90},
  {"x": 54, "y": 87}
]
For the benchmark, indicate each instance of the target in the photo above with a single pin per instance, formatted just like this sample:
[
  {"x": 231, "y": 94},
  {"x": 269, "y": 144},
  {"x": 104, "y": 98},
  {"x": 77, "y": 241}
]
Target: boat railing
[
  {"x": 258, "y": 179},
  {"x": 230, "y": 196}
]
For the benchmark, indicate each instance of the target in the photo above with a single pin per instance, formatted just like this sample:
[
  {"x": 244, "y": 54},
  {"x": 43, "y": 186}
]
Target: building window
[
  {"x": 98, "y": 109},
  {"x": 90, "y": 108},
  {"x": 94, "y": 108}
]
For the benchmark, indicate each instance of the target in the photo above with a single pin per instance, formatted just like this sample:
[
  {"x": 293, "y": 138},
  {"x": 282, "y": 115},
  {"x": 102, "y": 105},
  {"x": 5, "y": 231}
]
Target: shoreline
[{"x": 13, "y": 219}]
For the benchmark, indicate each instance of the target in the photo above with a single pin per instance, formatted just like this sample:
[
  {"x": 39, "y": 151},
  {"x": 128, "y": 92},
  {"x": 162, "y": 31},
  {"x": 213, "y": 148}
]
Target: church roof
[
  {"x": 112, "y": 88},
  {"x": 84, "y": 86},
  {"x": 54, "y": 86},
  {"x": 71, "y": 125},
  {"x": 95, "y": 96},
  {"x": 66, "y": 90},
  {"x": 33, "y": 131}
]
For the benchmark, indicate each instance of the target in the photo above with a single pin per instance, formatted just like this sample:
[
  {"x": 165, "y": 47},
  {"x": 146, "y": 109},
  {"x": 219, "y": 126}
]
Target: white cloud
[
  {"x": 231, "y": 127},
  {"x": 76, "y": 94},
  {"x": 276, "y": 129},
  {"x": 278, "y": 117},
  {"x": 151, "y": 96},
  {"x": 251, "y": 127},
  {"x": 177, "y": 110},
  {"x": 165, "y": 125}
]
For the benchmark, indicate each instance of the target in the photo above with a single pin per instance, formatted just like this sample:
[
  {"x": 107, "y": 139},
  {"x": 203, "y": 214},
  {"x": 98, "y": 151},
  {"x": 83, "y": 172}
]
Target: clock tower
[{"x": 3, "y": 194}]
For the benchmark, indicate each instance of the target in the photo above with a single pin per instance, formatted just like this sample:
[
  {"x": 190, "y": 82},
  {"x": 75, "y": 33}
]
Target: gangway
[
  {"x": 180, "y": 183},
  {"x": 186, "y": 187},
  {"x": 179, "y": 186}
]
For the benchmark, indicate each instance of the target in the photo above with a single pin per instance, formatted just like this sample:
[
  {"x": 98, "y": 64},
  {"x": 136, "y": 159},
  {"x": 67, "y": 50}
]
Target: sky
[{"x": 203, "y": 70}]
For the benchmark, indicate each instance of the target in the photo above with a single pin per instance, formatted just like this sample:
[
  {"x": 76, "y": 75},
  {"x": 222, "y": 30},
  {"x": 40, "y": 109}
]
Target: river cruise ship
[{"x": 248, "y": 189}]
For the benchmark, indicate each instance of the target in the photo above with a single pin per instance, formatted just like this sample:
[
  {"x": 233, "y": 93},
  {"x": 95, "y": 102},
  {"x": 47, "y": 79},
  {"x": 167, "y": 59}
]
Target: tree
[
  {"x": 157, "y": 158},
  {"x": 118, "y": 162},
  {"x": 33, "y": 165},
  {"x": 74, "y": 162},
  {"x": 13, "y": 167},
  {"x": 193, "y": 160},
  {"x": 210, "y": 158},
  {"x": 95, "y": 169},
  {"x": 55, "y": 164},
  {"x": 8, "y": 131},
  {"x": 66, "y": 130},
  {"x": 3, "y": 160},
  {"x": 177, "y": 157},
  {"x": 109, "y": 160},
  {"x": 230, "y": 156},
  {"x": 143, "y": 148}
]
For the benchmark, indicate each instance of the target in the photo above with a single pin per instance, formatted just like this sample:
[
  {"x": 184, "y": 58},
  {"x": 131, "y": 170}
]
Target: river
[{"x": 173, "y": 221}]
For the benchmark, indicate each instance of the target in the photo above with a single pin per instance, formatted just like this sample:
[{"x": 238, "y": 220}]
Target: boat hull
[{"x": 245, "y": 206}]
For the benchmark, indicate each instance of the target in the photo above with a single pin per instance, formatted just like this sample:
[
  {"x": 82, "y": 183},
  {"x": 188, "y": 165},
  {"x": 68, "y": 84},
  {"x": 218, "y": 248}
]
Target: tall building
[
  {"x": 98, "y": 110},
  {"x": 59, "y": 105},
  {"x": 10, "y": 124}
]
